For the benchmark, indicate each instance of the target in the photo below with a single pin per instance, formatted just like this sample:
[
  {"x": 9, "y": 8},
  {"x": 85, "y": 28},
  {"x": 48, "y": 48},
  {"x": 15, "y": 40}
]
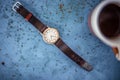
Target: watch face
[{"x": 50, "y": 35}]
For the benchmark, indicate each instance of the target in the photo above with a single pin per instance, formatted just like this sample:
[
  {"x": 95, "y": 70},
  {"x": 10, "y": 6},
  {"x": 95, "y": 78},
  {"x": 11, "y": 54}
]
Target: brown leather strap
[
  {"x": 31, "y": 18},
  {"x": 71, "y": 54}
]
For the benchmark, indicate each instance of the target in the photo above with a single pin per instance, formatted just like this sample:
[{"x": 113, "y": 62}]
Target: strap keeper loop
[{"x": 28, "y": 16}]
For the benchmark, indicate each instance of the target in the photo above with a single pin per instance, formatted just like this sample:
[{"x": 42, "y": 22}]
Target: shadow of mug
[{"x": 104, "y": 22}]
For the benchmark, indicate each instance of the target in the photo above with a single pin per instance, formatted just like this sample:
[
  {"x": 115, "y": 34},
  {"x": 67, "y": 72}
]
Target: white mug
[{"x": 95, "y": 27}]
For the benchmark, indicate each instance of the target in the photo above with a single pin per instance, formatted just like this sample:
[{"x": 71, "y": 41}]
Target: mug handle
[{"x": 116, "y": 51}]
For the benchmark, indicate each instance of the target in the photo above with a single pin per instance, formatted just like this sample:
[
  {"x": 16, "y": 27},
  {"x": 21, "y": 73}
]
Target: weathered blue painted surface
[{"x": 25, "y": 56}]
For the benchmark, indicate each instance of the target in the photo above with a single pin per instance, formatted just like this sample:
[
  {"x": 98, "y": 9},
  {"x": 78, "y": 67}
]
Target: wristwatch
[{"x": 51, "y": 36}]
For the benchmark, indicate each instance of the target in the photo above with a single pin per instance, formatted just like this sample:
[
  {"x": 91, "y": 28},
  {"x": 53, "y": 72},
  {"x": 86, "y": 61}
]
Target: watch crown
[{"x": 16, "y": 6}]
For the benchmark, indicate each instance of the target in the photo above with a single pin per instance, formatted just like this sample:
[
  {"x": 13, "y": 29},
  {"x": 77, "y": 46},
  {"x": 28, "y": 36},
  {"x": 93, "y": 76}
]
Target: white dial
[{"x": 50, "y": 35}]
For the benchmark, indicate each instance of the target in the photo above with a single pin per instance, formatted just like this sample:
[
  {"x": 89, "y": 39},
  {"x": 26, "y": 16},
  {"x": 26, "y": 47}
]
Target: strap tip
[{"x": 87, "y": 67}]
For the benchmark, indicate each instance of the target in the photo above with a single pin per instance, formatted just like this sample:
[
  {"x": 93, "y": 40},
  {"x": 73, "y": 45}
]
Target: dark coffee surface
[{"x": 109, "y": 20}]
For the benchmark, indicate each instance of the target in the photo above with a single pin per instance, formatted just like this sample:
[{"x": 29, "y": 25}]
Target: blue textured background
[{"x": 25, "y": 56}]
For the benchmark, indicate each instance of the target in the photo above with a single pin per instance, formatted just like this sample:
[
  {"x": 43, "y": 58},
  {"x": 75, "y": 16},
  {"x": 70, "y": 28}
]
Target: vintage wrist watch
[{"x": 51, "y": 36}]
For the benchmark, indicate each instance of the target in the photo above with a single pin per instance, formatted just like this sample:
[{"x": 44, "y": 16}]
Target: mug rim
[{"x": 94, "y": 21}]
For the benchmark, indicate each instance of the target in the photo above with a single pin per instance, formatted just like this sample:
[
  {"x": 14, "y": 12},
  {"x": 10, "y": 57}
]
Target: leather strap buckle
[{"x": 16, "y": 6}]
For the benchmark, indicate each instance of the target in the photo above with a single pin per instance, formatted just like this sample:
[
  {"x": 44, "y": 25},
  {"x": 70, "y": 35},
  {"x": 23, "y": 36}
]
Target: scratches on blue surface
[{"x": 25, "y": 56}]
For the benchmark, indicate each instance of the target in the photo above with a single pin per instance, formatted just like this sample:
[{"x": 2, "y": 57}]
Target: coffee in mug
[{"x": 109, "y": 21}]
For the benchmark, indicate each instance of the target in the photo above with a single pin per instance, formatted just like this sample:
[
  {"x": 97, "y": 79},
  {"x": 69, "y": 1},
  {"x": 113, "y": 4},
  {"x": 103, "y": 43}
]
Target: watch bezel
[{"x": 44, "y": 33}]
